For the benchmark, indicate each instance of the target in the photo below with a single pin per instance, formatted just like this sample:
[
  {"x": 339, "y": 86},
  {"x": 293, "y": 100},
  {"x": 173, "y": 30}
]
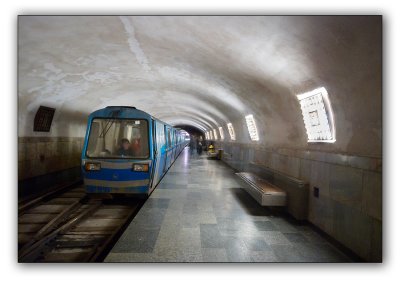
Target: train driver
[
  {"x": 125, "y": 148},
  {"x": 136, "y": 146}
]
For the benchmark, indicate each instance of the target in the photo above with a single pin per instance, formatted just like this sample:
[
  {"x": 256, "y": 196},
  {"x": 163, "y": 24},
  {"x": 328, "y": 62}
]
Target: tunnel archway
[{"x": 191, "y": 130}]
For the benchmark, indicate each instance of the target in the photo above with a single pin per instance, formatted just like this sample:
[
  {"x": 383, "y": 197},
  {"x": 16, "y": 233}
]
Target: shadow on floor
[{"x": 252, "y": 207}]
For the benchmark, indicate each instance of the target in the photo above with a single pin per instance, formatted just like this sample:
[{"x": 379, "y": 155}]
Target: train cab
[{"x": 127, "y": 151}]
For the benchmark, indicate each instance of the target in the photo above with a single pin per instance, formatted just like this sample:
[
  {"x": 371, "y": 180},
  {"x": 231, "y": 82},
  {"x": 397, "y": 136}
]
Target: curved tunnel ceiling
[{"x": 205, "y": 72}]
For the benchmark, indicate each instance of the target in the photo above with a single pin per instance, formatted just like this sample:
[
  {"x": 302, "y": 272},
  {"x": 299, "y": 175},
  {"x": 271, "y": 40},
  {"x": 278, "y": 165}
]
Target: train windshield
[{"x": 118, "y": 138}]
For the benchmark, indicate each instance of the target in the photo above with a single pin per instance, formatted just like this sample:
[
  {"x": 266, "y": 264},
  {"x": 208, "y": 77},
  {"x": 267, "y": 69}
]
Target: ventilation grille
[{"x": 43, "y": 119}]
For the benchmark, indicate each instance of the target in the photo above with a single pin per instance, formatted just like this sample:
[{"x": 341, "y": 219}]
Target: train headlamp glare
[
  {"x": 140, "y": 167},
  {"x": 92, "y": 166}
]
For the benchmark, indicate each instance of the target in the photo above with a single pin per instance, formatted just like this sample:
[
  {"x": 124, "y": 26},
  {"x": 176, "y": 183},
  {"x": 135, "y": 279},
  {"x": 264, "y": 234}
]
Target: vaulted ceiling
[{"x": 206, "y": 71}]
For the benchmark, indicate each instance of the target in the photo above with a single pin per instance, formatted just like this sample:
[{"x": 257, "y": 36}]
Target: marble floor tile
[{"x": 199, "y": 213}]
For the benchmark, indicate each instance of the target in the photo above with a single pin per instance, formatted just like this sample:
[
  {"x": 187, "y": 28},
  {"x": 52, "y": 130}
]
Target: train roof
[{"x": 123, "y": 112}]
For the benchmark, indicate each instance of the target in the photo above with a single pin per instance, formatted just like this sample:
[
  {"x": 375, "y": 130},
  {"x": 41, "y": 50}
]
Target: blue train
[{"x": 127, "y": 151}]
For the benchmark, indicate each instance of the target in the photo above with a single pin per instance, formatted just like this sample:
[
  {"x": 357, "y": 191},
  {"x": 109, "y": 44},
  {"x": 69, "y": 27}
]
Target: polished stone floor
[{"x": 198, "y": 213}]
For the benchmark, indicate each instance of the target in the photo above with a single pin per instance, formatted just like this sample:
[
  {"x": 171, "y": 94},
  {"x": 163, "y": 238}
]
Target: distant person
[
  {"x": 211, "y": 147},
  {"x": 199, "y": 147},
  {"x": 125, "y": 148},
  {"x": 192, "y": 144}
]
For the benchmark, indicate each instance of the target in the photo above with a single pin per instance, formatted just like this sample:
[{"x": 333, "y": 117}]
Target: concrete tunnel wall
[{"x": 208, "y": 71}]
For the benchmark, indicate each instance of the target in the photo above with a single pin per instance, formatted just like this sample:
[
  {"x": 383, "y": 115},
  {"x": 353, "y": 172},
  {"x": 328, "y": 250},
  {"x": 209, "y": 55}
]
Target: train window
[
  {"x": 215, "y": 134},
  {"x": 160, "y": 135},
  {"x": 118, "y": 138},
  {"x": 93, "y": 140},
  {"x": 317, "y": 116},
  {"x": 169, "y": 138},
  {"x": 166, "y": 136},
  {"x": 231, "y": 131},
  {"x": 221, "y": 133},
  {"x": 251, "y": 126}
]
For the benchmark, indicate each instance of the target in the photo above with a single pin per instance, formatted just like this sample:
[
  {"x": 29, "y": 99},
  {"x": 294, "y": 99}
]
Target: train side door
[
  {"x": 175, "y": 144},
  {"x": 161, "y": 151},
  {"x": 156, "y": 161},
  {"x": 166, "y": 149}
]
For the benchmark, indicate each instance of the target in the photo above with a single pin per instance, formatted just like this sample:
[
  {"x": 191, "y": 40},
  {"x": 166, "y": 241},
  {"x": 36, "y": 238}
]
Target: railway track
[{"x": 70, "y": 226}]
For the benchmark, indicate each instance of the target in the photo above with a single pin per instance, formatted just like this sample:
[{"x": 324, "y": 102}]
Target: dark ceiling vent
[{"x": 43, "y": 119}]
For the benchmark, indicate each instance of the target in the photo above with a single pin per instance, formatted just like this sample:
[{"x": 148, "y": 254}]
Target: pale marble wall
[{"x": 349, "y": 206}]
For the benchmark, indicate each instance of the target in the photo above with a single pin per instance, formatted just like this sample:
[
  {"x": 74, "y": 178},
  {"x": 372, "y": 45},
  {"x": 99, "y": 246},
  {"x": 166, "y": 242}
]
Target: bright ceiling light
[
  {"x": 318, "y": 116},
  {"x": 215, "y": 134},
  {"x": 231, "y": 131},
  {"x": 251, "y": 126},
  {"x": 221, "y": 133}
]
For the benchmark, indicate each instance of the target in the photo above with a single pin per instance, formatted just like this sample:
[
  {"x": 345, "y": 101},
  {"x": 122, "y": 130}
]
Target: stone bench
[
  {"x": 297, "y": 190},
  {"x": 263, "y": 192}
]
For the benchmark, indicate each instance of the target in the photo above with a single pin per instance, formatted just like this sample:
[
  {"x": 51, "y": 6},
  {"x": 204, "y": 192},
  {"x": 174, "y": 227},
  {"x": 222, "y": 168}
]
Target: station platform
[{"x": 199, "y": 213}]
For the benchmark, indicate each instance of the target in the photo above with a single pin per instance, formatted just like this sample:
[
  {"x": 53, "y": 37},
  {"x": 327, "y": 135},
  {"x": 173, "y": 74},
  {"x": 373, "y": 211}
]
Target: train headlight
[
  {"x": 92, "y": 166},
  {"x": 140, "y": 167}
]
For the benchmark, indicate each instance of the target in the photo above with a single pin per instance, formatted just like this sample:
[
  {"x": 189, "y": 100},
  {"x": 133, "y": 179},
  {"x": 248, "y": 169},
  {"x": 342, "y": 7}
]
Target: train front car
[{"x": 117, "y": 154}]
